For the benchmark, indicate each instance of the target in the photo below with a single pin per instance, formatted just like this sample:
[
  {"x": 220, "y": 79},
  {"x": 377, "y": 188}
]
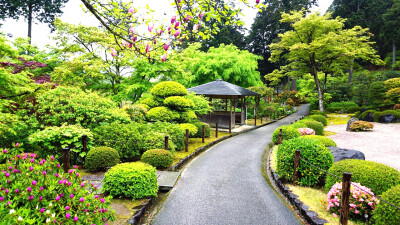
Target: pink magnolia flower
[
  {"x": 147, "y": 48},
  {"x": 150, "y": 27},
  {"x": 173, "y": 19},
  {"x": 257, "y": 1},
  {"x": 166, "y": 45},
  {"x": 177, "y": 33},
  {"x": 160, "y": 32},
  {"x": 132, "y": 30},
  {"x": 134, "y": 39},
  {"x": 113, "y": 54},
  {"x": 131, "y": 10},
  {"x": 196, "y": 27},
  {"x": 201, "y": 15},
  {"x": 188, "y": 18},
  {"x": 177, "y": 24},
  {"x": 164, "y": 57}
]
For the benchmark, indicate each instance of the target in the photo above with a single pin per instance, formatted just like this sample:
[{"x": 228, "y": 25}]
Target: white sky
[{"x": 74, "y": 14}]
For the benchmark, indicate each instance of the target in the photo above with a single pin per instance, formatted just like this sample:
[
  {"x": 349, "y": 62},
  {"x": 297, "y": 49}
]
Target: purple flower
[
  {"x": 61, "y": 195},
  {"x": 16, "y": 190},
  {"x": 34, "y": 182},
  {"x": 147, "y": 48},
  {"x": 58, "y": 198},
  {"x": 56, "y": 174},
  {"x": 150, "y": 27},
  {"x": 96, "y": 196},
  {"x": 7, "y": 191},
  {"x": 31, "y": 168},
  {"x": 71, "y": 195},
  {"x": 17, "y": 145},
  {"x": 29, "y": 189},
  {"x": 40, "y": 198},
  {"x": 58, "y": 166},
  {"x": 131, "y": 10},
  {"x": 177, "y": 33},
  {"x": 257, "y": 1},
  {"x": 82, "y": 199},
  {"x": 8, "y": 203},
  {"x": 113, "y": 52},
  {"x": 10, "y": 168},
  {"x": 66, "y": 207},
  {"x": 52, "y": 157},
  {"x": 30, "y": 197},
  {"x": 69, "y": 183},
  {"x": 196, "y": 27},
  {"x": 7, "y": 174},
  {"x": 173, "y": 19},
  {"x": 60, "y": 181},
  {"x": 77, "y": 174},
  {"x": 164, "y": 57},
  {"x": 82, "y": 184},
  {"x": 5, "y": 151},
  {"x": 134, "y": 39},
  {"x": 102, "y": 200},
  {"x": 1, "y": 199},
  {"x": 41, "y": 188},
  {"x": 201, "y": 16},
  {"x": 177, "y": 24},
  {"x": 42, "y": 210},
  {"x": 32, "y": 160},
  {"x": 70, "y": 171},
  {"x": 166, "y": 45},
  {"x": 67, "y": 215},
  {"x": 95, "y": 186},
  {"x": 75, "y": 218}
]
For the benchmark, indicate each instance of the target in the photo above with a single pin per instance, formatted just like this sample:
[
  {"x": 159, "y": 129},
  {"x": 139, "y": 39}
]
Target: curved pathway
[{"x": 224, "y": 185}]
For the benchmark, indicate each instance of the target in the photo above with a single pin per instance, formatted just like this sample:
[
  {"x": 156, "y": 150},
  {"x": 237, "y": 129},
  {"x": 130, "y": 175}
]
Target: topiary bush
[
  {"x": 319, "y": 118},
  {"x": 187, "y": 116},
  {"x": 99, "y": 158},
  {"x": 385, "y": 213},
  {"x": 322, "y": 139},
  {"x": 316, "y": 126},
  {"x": 39, "y": 192},
  {"x": 162, "y": 114},
  {"x": 312, "y": 150},
  {"x": 151, "y": 101},
  {"x": 207, "y": 130},
  {"x": 288, "y": 132},
  {"x": 125, "y": 138},
  {"x": 161, "y": 129},
  {"x": 392, "y": 83},
  {"x": 299, "y": 124},
  {"x": 178, "y": 103},
  {"x": 168, "y": 88},
  {"x": 158, "y": 158},
  {"x": 192, "y": 128},
  {"x": 131, "y": 180},
  {"x": 376, "y": 176},
  {"x": 361, "y": 125}
]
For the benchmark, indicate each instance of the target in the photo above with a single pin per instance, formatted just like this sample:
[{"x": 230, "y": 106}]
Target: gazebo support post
[
  {"x": 255, "y": 111},
  {"x": 230, "y": 118}
]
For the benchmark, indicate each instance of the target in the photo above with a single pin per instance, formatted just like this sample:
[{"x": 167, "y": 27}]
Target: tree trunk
[
  {"x": 294, "y": 84},
  {"x": 30, "y": 23},
  {"x": 350, "y": 73},
  {"x": 394, "y": 56},
  {"x": 319, "y": 91}
]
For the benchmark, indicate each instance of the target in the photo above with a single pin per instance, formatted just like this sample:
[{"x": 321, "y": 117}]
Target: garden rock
[
  {"x": 369, "y": 117},
  {"x": 353, "y": 119},
  {"x": 340, "y": 154},
  {"x": 389, "y": 118}
]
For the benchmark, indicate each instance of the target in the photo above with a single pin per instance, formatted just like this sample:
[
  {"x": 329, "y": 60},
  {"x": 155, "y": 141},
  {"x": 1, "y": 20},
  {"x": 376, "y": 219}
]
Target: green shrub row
[
  {"x": 159, "y": 158},
  {"x": 322, "y": 139},
  {"x": 99, "y": 158}
]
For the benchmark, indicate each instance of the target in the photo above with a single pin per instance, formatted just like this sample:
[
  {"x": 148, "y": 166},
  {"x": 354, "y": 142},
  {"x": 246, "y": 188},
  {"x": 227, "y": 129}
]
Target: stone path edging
[
  {"x": 201, "y": 149},
  {"x": 310, "y": 216}
]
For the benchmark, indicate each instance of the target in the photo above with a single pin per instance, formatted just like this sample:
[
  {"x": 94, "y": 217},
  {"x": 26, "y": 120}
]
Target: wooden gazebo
[{"x": 224, "y": 90}]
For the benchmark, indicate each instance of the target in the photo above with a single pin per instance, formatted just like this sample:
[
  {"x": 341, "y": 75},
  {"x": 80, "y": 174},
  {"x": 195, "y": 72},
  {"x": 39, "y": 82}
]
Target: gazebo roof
[{"x": 222, "y": 89}]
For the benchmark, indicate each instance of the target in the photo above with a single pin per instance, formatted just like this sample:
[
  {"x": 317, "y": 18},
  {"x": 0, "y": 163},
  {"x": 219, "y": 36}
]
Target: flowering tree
[{"x": 123, "y": 20}]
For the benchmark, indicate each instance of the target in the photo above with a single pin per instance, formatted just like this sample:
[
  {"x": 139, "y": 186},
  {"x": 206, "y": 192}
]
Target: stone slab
[{"x": 167, "y": 180}]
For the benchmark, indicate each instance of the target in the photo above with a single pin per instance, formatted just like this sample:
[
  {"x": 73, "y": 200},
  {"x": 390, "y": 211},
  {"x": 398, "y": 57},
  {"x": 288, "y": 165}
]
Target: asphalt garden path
[{"x": 224, "y": 185}]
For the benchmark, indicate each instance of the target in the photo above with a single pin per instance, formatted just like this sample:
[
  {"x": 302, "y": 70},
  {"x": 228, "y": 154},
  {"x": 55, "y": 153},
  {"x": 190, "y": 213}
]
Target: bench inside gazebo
[{"x": 220, "y": 89}]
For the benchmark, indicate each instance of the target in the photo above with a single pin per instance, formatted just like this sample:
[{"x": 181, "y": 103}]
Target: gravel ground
[{"x": 382, "y": 144}]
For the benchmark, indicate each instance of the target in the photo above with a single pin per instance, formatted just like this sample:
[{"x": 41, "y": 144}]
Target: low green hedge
[
  {"x": 322, "y": 139},
  {"x": 159, "y": 158},
  {"x": 376, "y": 176},
  {"x": 131, "y": 180},
  {"x": 396, "y": 113},
  {"x": 168, "y": 88},
  {"x": 299, "y": 124},
  {"x": 191, "y": 127},
  {"x": 386, "y": 214},
  {"x": 288, "y": 132},
  {"x": 207, "y": 130},
  {"x": 99, "y": 158},
  {"x": 312, "y": 150},
  {"x": 178, "y": 103},
  {"x": 364, "y": 114},
  {"x": 320, "y": 118},
  {"x": 316, "y": 126},
  {"x": 162, "y": 113},
  {"x": 354, "y": 109}
]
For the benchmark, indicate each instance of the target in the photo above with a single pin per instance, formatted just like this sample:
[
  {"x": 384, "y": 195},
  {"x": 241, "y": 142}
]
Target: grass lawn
[
  {"x": 195, "y": 143},
  {"x": 336, "y": 119},
  {"x": 250, "y": 122},
  {"x": 123, "y": 209}
]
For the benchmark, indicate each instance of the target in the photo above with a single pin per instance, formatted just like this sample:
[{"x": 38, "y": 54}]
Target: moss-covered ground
[
  {"x": 336, "y": 119},
  {"x": 124, "y": 209}
]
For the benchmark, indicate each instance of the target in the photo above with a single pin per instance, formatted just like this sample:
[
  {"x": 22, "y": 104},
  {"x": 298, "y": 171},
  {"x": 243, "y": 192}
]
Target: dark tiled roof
[{"x": 223, "y": 88}]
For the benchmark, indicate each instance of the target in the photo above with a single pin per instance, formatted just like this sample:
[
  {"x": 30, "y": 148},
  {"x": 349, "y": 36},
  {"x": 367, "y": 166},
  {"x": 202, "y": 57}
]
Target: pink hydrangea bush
[
  {"x": 306, "y": 131},
  {"x": 37, "y": 191},
  {"x": 361, "y": 202}
]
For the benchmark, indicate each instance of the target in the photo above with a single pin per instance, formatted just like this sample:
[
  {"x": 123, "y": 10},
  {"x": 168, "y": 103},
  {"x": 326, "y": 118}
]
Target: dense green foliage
[
  {"x": 99, "y": 158},
  {"x": 191, "y": 127},
  {"x": 319, "y": 118},
  {"x": 299, "y": 124},
  {"x": 52, "y": 140},
  {"x": 159, "y": 158},
  {"x": 322, "y": 139},
  {"x": 207, "y": 129},
  {"x": 311, "y": 150},
  {"x": 168, "y": 88},
  {"x": 288, "y": 132},
  {"x": 178, "y": 103},
  {"x": 315, "y": 125},
  {"x": 385, "y": 213},
  {"x": 201, "y": 104},
  {"x": 376, "y": 176},
  {"x": 131, "y": 180},
  {"x": 162, "y": 113},
  {"x": 72, "y": 105}
]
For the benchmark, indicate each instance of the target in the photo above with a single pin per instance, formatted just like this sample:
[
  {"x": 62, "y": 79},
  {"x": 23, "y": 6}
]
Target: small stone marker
[{"x": 167, "y": 179}]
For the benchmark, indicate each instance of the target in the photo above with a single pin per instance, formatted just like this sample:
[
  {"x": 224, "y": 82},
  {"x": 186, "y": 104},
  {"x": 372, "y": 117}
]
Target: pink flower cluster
[
  {"x": 361, "y": 202},
  {"x": 306, "y": 131}
]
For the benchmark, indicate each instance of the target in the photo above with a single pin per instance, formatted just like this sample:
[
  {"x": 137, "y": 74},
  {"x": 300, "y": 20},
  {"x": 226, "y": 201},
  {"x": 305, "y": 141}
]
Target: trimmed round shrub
[
  {"x": 192, "y": 128},
  {"x": 316, "y": 126},
  {"x": 298, "y": 124},
  {"x": 376, "y": 176},
  {"x": 151, "y": 102},
  {"x": 178, "y": 103},
  {"x": 312, "y": 150},
  {"x": 162, "y": 114},
  {"x": 131, "y": 180},
  {"x": 320, "y": 118},
  {"x": 159, "y": 158},
  {"x": 323, "y": 140},
  {"x": 199, "y": 134},
  {"x": 187, "y": 116},
  {"x": 385, "y": 213},
  {"x": 354, "y": 109},
  {"x": 290, "y": 102},
  {"x": 99, "y": 158},
  {"x": 288, "y": 132},
  {"x": 168, "y": 88}
]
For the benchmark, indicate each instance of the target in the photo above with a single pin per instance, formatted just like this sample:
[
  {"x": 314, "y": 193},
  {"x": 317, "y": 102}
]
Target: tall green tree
[
  {"x": 319, "y": 45},
  {"x": 365, "y": 13},
  {"x": 392, "y": 27},
  {"x": 44, "y": 11},
  {"x": 266, "y": 28}
]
